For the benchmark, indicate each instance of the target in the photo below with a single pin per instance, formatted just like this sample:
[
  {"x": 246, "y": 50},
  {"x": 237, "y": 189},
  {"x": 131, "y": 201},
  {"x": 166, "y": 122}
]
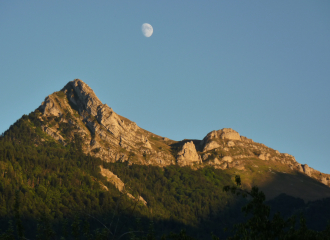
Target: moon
[{"x": 147, "y": 29}]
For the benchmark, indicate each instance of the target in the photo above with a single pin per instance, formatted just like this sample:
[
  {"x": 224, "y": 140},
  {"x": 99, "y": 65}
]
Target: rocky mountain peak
[
  {"x": 188, "y": 155},
  {"x": 105, "y": 133},
  {"x": 82, "y": 96},
  {"x": 210, "y": 140},
  {"x": 77, "y": 111}
]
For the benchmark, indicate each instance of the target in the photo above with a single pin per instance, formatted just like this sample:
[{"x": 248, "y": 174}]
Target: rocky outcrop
[
  {"x": 114, "y": 179},
  {"x": 228, "y": 133},
  {"x": 105, "y": 134},
  {"x": 53, "y": 133},
  {"x": 209, "y": 142},
  {"x": 111, "y": 137},
  {"x": 206, "y": 156},
  {"x": 210, "y": 145},
  {"x": 225, "y": 133},
  {"x": 324, "y": 180},
  {"x": 188, "y": 155},
  {"x": 264, "y": 156},
  {"x": 214, "y": 162},
  {"x": 118, "y": 183},
  {"x": 307, "y": 170},
  {"x": 227, "y": 159},
  {"x": 231, "y": 144},
  {"x": 99, "y": 115},
  {"x": 247, "y": 140},
  {"x": 50, "y": 107}
]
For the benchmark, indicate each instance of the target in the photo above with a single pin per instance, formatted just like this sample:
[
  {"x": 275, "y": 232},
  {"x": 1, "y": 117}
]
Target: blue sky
[{"x": 259, "y": 67}]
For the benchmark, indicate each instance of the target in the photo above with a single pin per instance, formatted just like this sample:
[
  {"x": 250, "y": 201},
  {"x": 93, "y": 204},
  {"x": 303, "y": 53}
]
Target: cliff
[{"x": 76, "y": 111}]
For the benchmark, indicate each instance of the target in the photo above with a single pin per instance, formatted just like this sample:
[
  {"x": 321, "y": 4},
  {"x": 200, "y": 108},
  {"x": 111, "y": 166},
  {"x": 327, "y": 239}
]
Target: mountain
[
  {"x": 75, "y": 162},
  {"x": 76, "y": 110}
]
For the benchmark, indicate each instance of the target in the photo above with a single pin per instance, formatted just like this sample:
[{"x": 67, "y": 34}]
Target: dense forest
[
  {"x": 54, "y": 191},
  {"x": 60, "y": 183}
]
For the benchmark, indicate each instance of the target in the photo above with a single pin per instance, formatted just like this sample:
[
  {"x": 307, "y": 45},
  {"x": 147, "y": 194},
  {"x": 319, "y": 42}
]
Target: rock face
[
  {"x": 210, "y": 145},
  {"x": 227, "y": 159},
  {"x": 307, "y": 170},
  {"x": 188, "y": 155},
  {"x": 53, "y": 133},
  {"x": 228, "y": 133},
  {"x": 50, "y": 107},
  {"x": 105, "y": 134},
  {"x": 115, "y": 180},
  {"x": 210, "y": 140},
  {"x": 264, "y": 156},
  {"x": 225, "y": 133},
  {"x": 324, "y": 180},
  {"x": 231, "y": 144},
  {"x": 76, "y": 113}
]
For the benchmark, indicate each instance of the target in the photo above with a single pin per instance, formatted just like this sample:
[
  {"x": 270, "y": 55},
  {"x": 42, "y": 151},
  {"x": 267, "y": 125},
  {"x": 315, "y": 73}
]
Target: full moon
[{"x": 147, "y": 29}]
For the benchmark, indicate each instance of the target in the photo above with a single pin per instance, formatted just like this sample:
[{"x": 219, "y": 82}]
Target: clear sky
[{"x": 259, "y": 67}]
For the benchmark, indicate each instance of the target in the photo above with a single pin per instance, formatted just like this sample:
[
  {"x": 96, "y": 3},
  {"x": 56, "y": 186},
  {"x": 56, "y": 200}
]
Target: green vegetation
[
  {"x": 51, "y": 191},
  {"x": 60, "y": 94},
  {"x": 261, "y": 225},
  {"x": 56, "y": 183},
  {"x": 53, "y": 181}
]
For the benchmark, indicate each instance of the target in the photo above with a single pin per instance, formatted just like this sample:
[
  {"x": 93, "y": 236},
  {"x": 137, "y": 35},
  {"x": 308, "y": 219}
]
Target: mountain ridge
[
  {"x": 111, "y": 137},
  {"x": 63, "y": 159}
]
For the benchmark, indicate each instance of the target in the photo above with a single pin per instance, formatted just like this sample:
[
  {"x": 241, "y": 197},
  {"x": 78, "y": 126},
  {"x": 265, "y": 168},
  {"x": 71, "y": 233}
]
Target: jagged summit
[
  {"x": 83, "y": 97},
  {"x": 77, "y": 111},
  {"x": 105, "y": 134}
]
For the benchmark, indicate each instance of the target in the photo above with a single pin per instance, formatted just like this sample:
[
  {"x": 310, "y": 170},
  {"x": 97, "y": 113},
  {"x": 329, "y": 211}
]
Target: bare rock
[
  {"x": 146, "y": 143},
  {"x": 288, "y": 155},
  {"x": 264, "y": 156},
  {"x": 111, "y": 137},
  {"x": 210, "y": 146},
  {"x": 241, "y": 156},
  {"x": 188, "y": 155},
  {"x": 216, "y": 161},
  {"x": 53, "y": 133},
  {"x": 227, "y": 159},
  {"x": 206, "y": 156},
  {"x": 99, "y": 122},
  {"x": 324, "y": 180},
  {"x": 228, "y": 133},
  {"x": 225, "y": 133},
  {"x": 247, "y": 140},
  {"x": 142, "y": 200},
  {"x": 307, "y": 170},
  {"x": 231, "y": 144},
  {"x": 50, "y": 107},
  {"x": 224, "y": 165},
  {"x": 113, "y": 178}
]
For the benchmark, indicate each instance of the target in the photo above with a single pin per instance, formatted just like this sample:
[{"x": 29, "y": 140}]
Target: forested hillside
[
  {"x": 60, "y": 183},
  {"x": 51, "y": 190}
]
